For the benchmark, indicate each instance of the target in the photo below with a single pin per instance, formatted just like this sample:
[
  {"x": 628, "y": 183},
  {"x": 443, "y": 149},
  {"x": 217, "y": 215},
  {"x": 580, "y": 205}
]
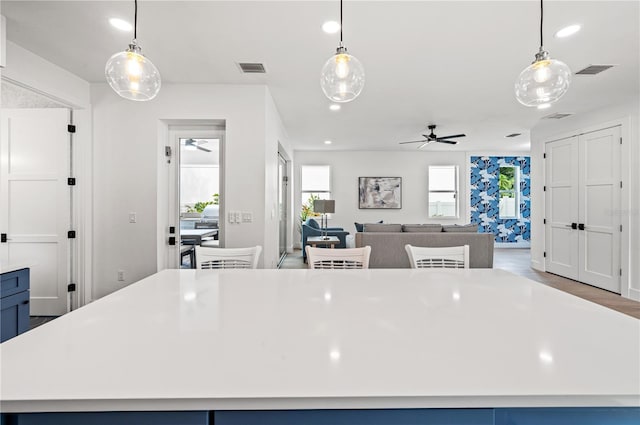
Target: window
[
  {"x": 443, "y": 191},
  {"x": 315, "y": 184},
  {"x": 509, "y": 183}
]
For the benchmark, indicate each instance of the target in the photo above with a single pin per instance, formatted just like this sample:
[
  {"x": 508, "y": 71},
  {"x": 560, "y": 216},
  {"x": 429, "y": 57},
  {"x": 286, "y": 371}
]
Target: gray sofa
[{"x": 387, "y": 243}]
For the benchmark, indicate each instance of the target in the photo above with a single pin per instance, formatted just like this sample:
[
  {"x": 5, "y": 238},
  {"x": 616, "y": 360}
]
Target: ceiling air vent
[
  {"x": 252, "y": 68},
  {"x": 558, "y": 116},
  {"x": 594, "y": 69},
  {"x": 513, "y": 135}
]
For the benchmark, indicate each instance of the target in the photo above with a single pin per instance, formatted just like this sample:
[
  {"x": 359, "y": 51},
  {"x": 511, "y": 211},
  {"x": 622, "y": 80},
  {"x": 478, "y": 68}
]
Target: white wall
[
  {"x": 547, "y": 130},
  {"x": 276, "y": 136},
  {"x": 413, "y": 167},
  {"x": 129, "y": 139}
]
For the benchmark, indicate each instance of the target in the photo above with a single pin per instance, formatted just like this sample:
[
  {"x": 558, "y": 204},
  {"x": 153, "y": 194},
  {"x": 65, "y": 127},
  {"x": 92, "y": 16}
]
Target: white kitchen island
[{"x": 317, "y": 346}]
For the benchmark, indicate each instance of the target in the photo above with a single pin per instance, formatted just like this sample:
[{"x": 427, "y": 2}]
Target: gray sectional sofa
[{"x": 387, "y": 242}]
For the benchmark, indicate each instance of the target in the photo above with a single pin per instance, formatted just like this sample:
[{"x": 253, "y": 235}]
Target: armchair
[{"x": 312, "y": 228}]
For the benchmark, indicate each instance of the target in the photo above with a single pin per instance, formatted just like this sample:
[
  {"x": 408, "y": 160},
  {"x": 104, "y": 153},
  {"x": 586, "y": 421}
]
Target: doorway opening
[{"x": 197, "y": 200}]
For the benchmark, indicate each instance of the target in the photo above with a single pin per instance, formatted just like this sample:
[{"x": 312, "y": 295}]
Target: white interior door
[
  {"x": 34, "y": 200},
  {"x": 582, "y": 204},
  {"x": 599, "y": 209},
  {"x": 561, "y": 203}
]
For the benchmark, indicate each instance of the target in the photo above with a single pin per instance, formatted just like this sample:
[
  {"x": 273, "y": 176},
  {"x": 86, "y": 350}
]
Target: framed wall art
[{"x": 380, "y": 192}]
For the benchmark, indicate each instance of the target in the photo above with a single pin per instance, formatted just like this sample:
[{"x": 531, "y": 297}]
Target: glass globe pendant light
[
  {"x": 342, "y": 77},
  {"x": 132, "y": 75},
  {"x": 544, "y": 81}
]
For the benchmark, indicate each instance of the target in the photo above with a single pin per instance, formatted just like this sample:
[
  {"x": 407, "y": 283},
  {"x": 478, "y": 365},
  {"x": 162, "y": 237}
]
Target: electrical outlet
[
  {"x": 236, "y": 217},
  {"x": 120, "y": 275},
  {"x": 247, "y": 217},
  {"x": 133, "y": 217},
  {"x": 232, "y": 217}
]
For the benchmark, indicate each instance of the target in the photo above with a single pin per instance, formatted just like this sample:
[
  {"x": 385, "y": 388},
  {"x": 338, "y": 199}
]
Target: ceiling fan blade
[
  {"x": 451, "y": 142},
  {"x": 203, "y": 149},
  {"x": 415, "y": 141},
  {"x": 453, "y": 136},
  {"x": 426, "y": 142}
]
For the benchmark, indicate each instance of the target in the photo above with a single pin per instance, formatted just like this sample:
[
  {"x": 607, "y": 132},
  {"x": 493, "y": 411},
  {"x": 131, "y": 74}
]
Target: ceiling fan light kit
[
  {"x": 342, "y": 76},
  {"x": 545, "y": 81},
  {"x": 130, "y": 74}
]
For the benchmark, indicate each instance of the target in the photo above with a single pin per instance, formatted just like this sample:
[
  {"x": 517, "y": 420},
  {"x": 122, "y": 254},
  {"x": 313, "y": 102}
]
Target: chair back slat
[
  {"x": 453, "y": 257},
  {"x": 349, "y": 258},
  {"x": 227, "y": 258}
]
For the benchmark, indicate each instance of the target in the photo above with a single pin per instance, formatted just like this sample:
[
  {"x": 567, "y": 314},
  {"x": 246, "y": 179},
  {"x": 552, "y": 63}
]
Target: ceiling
[{"x": 452, "y": 63}]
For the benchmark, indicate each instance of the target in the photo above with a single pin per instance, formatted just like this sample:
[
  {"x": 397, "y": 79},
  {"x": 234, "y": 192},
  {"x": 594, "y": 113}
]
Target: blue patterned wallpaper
[{"x": 485, "y": 199}]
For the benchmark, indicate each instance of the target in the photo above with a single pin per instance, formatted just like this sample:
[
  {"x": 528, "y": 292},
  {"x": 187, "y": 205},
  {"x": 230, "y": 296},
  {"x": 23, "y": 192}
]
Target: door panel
[
  {"x": 599, "y": 208},
  {"x": 35, "y": 213},
  {"x": 561, "y": 199}
]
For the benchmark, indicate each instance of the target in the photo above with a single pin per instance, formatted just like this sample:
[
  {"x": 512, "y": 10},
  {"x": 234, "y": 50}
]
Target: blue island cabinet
[
  {"x": 14, "y": 303},
  {"x": 457, "y": 416}
]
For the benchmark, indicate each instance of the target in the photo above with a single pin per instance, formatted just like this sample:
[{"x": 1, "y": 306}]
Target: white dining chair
[
  {"x": 349, "y": 258},
  {"x": 227, "y": 258},
  {"x": 449, "y": 257}
]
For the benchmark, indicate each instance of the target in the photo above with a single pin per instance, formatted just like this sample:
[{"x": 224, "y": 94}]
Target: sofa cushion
[
  {"x": 460, "y": 228},
  {"x": 312, "y": 223},
  {"x": 360, "y": 226},
  {"x": 422, "y": 228},
  {"x": 378, "y": 227}
]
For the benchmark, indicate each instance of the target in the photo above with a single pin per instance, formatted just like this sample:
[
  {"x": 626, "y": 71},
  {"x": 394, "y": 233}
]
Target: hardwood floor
[{"x": 517, "y": 261}]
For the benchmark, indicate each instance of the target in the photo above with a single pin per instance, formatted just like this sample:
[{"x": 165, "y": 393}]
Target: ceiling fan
[
  {"x": 432, "y": 137},
  {"x": 192, "y": 144}
]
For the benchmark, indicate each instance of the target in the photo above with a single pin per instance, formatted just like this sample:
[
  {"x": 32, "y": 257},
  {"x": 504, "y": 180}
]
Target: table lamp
[{"x": 324, "y": 206}]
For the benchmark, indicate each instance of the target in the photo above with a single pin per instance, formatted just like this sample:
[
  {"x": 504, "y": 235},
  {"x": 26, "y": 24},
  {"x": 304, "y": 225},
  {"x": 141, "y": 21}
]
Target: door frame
[
  {"x": 625, "y": 195},
  {"x": 169, "y": 179},
  {"x": 82, "y": 209}
]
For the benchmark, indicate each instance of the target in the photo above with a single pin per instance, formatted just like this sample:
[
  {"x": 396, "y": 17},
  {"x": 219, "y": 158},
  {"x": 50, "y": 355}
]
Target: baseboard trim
[
  {"x": 634, "y": 294},
  {"x": 537, "y": 265},
  {"x": 525, "y": 245}
]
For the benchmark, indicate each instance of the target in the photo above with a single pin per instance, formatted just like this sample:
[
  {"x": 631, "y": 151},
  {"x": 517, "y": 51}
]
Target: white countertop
[
  {"x": 296, "y": 339},
  {"x": 12, "y": 267}
]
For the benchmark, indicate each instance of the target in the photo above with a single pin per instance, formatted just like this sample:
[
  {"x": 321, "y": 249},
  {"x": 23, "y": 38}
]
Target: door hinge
[
  {"x": 620, "y": 272},
  {"x": 621, "y": 227},
  {"x": 71, "y": 287},
  {"x": 544, "y": 188},
  {"x": 621, "y": 140},
  {"x": 71, "y": 181},
  {"x": 544, "y": 254},
  {"x": 3, "y": 237},
  {"x": 71, "y": 128},
  {"x": 621, "y": 185},
  {"x": 544, "y": 155},
  {"x": 544, "y": 221},
  {"x": 71, "y": 234}
]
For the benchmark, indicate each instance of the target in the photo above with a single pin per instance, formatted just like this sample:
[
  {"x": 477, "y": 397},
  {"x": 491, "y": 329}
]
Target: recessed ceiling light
[
  {"x": 327, "y": 142},
  {"x": 331, "y": 27},
  {"x": 120, "y": 24},
  {"x": 567, "y": 31},
  {"x": 334, "y": 107},
  {"x": 544, "y": 106}
]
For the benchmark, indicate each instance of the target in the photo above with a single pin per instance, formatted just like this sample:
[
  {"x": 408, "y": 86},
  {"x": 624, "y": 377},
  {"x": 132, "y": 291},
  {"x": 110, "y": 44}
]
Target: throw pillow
[
  {"x": 360, "y": 226},
  {"x": 461, "y": 228},
  {"x": 422, "y": 228},
  {"x": 312, "y": 223},
  {"x": 377, "y": 227}
]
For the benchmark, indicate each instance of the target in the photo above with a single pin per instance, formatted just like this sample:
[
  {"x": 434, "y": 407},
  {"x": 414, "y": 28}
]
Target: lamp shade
[
  {"x": 342, "y": 77},
  {"x": 132, "y": 75},
  {"x": 324, "y": 206},
  {"x": 543, "y": 82}
]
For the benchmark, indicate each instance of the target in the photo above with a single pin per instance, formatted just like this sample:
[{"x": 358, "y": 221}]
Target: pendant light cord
[
  {"x": 541, "y": 19},
  {"x": 135, "y": 20},
  {"x": 340, "y": 22}
]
